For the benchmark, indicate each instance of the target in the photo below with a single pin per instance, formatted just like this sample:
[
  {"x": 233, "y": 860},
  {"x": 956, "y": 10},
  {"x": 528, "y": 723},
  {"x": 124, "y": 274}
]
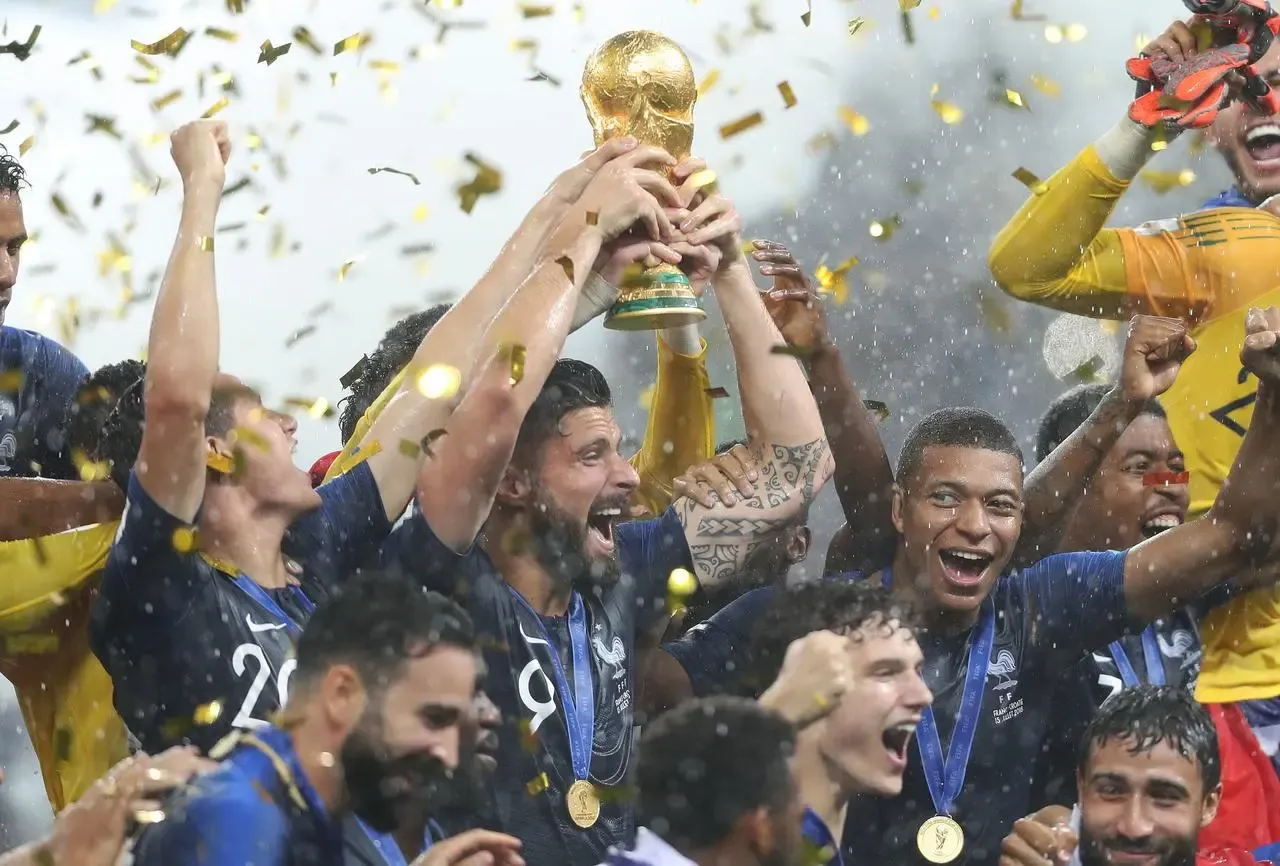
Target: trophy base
[{"x": 662, "y": 300}]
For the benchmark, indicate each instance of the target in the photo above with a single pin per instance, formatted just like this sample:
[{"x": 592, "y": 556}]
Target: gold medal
[
  {"x": 583, "y": 803},
  {"x": 940, "y": 839}
]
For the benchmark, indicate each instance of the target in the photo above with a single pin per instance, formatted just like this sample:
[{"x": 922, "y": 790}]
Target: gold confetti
[
  {"x": 834, "y": 282},
  {"x": 857, "y": 124},
  {"x": 806, "y": 17},
  {"x": 159, "y": 103},
  {"x": 351, "y": 43},
  {"x": 27, "y": 143},
  {"x": 1030, "y": 181},
  {"x": 1015, "y": 99},
  {"x": 702, "y": 179},
  {"x": 950, "y": 114},
  {"x": 205, "y": 242},
  {"x": 1045, "y": 85},
  {"x": 515, "y": 354},
  {"x": 268, "y": 53},
  {"x": 882, "y": 230},
  {"x": 65, "y": 212},
  {"x": 788, "y": 95},
  {"x": 439, "y": 382},
  {"x": 1057, "y": 33},
  {"x": 742, "y": 124},
  {"x": 799, "y": 352},
  {"x": 488, "y": 180},
  {"x": 528, "y": 10},
  {"x": 107, "y": 125},
  {"x": 413, "y": 177},
  {"x": 170, "y": 44},
  {"x": 224, "y": 35},
  {"x": 908, "y": 5},
  {"x": 216, "y": 107},
  {"x": 1163, "y": 181},
  {"x": 22, "y": 50},
  {"x": 345, "y": 268},
  {"x": 410, "y": 449},
  {"x": 537, "y": 784},
  {"x": 681, "y": 582},
  {"x": 856, "y": 24},
  {"x": 708, "y": 81},
  {"x": 235, "y": 7},
  {"x": 303, "y": 36},
  {"x": 716, "y": 392},
  {"x": 11, "y": 380},
  {"x": 1017, "y": 14},
  {"x": 566, "y": 264},
  {"x": 90, "y": 470},
  {"x": 316, "y": 408},
  {"x": 184, "y": 537},
  {"x": 881, "y": 409},
  {"x": 13, "y": 124},
  {"x": 207, "y": 714}
]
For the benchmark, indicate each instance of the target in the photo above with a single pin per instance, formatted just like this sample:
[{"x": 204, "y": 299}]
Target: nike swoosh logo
[{"x": 256, "y": 627}]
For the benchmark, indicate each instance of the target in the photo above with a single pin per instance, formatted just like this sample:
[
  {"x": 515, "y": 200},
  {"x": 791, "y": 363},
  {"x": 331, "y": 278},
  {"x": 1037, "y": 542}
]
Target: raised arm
[
  {"x": 782, "y": 420},
  {"x": 460, "y": 477},
  {"x": 182, "y": 350},
  {"x": 1242, "y": 528},
  {"x": 407, "y": 414},
  {"x": 32, "y": 507},
  {"x": 1153, "y": 354}
]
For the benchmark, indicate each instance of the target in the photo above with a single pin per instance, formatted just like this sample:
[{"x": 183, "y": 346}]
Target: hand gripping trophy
[{"x": 641, "y": 84}]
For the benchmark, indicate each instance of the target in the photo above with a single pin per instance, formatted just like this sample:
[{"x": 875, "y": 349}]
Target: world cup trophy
[{"x": 641, "y": 84}]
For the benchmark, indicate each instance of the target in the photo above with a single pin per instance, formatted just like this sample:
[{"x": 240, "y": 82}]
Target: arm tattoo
[{"x": 720, "y": 540}]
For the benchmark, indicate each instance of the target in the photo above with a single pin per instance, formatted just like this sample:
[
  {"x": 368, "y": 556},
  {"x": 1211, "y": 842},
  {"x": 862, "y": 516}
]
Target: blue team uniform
[
  {"x": 176, "y": 632},
  {"x": 38, "y": 380}
]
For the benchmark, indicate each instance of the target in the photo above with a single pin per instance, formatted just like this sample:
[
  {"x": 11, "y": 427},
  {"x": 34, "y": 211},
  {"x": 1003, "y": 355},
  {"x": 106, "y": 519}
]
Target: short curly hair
[{"x": 12, "y": 176}]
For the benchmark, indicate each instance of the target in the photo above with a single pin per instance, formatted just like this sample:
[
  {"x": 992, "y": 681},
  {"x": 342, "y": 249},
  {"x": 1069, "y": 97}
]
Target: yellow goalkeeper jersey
[{"x": 1207, "y": 268}]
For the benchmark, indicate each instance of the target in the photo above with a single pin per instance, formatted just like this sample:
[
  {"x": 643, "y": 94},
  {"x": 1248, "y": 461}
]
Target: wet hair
[
  {"x": 1072, "y": 409},
  {"x": 95, "y": 401},
  {"x": 847, "y": 607},
  {"x": 572, "y": 385},
  {"x": 375, "y": 621},
  {"x": 706, "y": 764},
  {"x": 221, "y": 417},
  {"x": 376, "y": 370},
  {"x": 960, "y": 426},
  {"x": 12, "y": 176},
  {"x": 1146, "y": 716},
  {"x": 121, "y": 432}
]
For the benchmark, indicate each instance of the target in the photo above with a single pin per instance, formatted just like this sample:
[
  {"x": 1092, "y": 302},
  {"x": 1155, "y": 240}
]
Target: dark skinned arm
[
  {"x": 1153, "y": 353},
  {"x": 31, "y": 507},
  {"x": 863, "y": 475}
]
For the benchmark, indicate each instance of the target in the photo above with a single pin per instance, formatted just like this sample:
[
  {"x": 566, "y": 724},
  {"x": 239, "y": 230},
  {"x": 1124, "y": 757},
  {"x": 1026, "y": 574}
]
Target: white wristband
[
  {"x": 596, "y": 296},
  {"x": 1126, "y": 147}
]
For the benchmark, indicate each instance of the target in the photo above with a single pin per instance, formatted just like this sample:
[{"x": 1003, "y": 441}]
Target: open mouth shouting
[
  {"x": 1262, "y": 143},
  {"x": 896, "y": 740},
  {"x": 964, "y": 568},
  {"x": 602, "y": 522},
  {"x": 1154, "y": 524}
]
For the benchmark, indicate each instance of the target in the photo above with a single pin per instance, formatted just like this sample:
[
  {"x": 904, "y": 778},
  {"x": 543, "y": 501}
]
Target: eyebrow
[{"x": 962, "y": 488}]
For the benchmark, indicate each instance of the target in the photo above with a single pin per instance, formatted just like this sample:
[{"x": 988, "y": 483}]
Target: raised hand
[
  {"x": 1153, "y": 354},
  {"x": 716, "y": 480},
  {"x": 1261, "y": 351},
  {"x": 796, "y": 309},
  {"x": 1042, "y": 839},
  {"x": 473, "y": 848},
  {"x": 816, "y": 672},
  {"x": 200, "y": 151},
  {"x": 624, "y": 192}
]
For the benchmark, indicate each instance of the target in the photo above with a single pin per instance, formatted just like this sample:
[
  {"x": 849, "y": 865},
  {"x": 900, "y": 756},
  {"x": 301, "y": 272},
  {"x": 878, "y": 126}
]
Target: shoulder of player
[
  {"x": 228, "y": 803},
  {"x": 37, "y": 347}
]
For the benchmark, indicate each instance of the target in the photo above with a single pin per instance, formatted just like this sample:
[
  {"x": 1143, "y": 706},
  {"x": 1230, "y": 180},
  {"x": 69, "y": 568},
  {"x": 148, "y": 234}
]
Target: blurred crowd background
[{"x": 319, "y": 253}]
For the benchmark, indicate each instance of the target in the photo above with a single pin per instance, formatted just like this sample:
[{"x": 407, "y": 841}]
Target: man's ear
[
  {"x": 1211, "y": 802},
  {"x": 798, "y": 544},
  {"x": 515, "y": 487},
  {"x": 896, "y": 510},
  {"x": 343, "y": 697}
]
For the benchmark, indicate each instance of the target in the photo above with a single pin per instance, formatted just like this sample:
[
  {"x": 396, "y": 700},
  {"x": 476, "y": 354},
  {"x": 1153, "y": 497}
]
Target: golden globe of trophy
[{"x": 641, "y": 84}]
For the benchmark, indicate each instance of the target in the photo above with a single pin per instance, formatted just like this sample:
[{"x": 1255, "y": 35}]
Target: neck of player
[
  {"x": 318, "y": 756},
  {"x": 822, "y": 786},
  {"x": 912, "y": 585},
  {"x": 547, "y": 592},
  {"x": 237, "y": 534}
]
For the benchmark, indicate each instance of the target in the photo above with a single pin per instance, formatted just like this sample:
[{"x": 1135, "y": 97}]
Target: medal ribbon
[
  {"x": 946, "y": 779},
  {"x": 579, "y": 704},
  {"x": 386, "y": 845},
  {"x": 1150, "y": 654}
]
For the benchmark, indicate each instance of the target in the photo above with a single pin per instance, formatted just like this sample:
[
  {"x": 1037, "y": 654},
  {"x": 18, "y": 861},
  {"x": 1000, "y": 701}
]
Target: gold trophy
[{"x": 641, "y": 84}]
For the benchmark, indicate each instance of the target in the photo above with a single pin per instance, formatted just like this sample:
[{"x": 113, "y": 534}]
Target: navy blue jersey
[
  {"x": 534, "y": 767},
  {"x": 1095, "y": 678},
  {"x": 245, "y": 813},
  {"x": 176, "y": 633},
  {"x": 1047, "y": 617},
  {"x": 38, "y": 380}
]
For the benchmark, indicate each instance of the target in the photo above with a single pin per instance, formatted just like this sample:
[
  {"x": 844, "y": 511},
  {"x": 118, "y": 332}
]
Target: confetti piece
[
  {"x": 216, "y": 107},
  {"x": 1016, "y": 13},
  {"x": 1090, "y": 371},
  {"x": 413, "y": 177},
  {"x": 22, "y": 50},
  {"x": 1030, "y": 181},
  {"x": 1158, "y": 479},
  {"x": 806, "y": 17},
  {"x": 27, "y": 143},
  {"x": 702, "y": 179},
  {"x": 908, "y": 31},
  {"x": 802, "y": 353},
  {"x": 742, "y": 124},
  {"x": 833, "y": 281},
  {"x": 268, "y": 53},
  {"x": 224, "y": 35},
  {"x": 13, "y": 124},
  {"x": 439, "y": 382},
  {"x": 106, "y": 125},
  {"x": 1015, "y": 99},
  {"x": 881, "y": 409},
  {"x": 1045, "y": 85},
  {"x": 857, "y": 124},
  {"x": 159, "y": 103},
  {"x": 528, "y": 10},
  {"x": 716, "y": 392},
  {"x": 788, "y": 95},
  {"x": 169, "y": 45},
  {"x": 1057, "y": 33},
  {"x": 515, "y": 354},
  {"x": 350, "y": 377},
  {"x": 235, "y": 7},
  {"x": 205, "y": 242},
  {"x": 315, "y": 407},
  {"x": 908, "y": 5},
  {"x": 537, "y": 784},
  {"x": 345, "y": 268},
  {"x": 207, "y": 714},
  {"x": 682, "y": 582},
  {"x": 303, "y": 36},
  {"x": 1163, "y": 181},
  {"x": 65, "y": 212},
  {"x": 708, "y": 81},
  {"x": 410, "y": 449},
  {"x": 950, "y": 114},
  {"x": 351, "y": 43},
  {"x": 488, "y": 180},
  {"x": 856, "y": 24},
  {"x": 184, "y": 537},
  {"x": 882, "y": 230},
  {"x": 567, "y": 264}
]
